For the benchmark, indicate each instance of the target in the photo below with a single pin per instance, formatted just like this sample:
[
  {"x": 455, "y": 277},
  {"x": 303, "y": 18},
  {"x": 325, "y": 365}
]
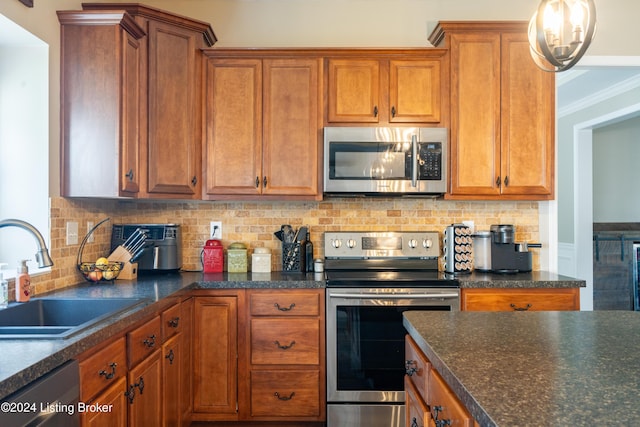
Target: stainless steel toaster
[{"x": 162, "y": 249}]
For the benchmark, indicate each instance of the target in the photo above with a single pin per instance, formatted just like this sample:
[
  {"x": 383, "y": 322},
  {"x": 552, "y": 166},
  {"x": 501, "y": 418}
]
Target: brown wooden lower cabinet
[
  {"x": 520, "y": 299},
  {"x": 141, "y": 372},
  {"x": 429, "y": 400},
  {"x": 259, "y": 356}
]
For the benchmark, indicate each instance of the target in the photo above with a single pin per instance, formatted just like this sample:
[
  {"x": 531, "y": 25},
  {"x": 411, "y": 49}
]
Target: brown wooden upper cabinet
[
  {"x": 387, "y": 87},
  {"x": 502, "y": 113},
  {"x": 146, "y": 140},
  {"x": 263, "y": 122}
]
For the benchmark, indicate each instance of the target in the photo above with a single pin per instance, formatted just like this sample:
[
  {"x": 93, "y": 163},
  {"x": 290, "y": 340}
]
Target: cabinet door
[
  {"x": 215, "y": 383},
  {"x": 475, "y": 115},
  {"x": 354, "y": 91},
  {"x": 174, "y": 162},
  {"x": 113, "y": 398},
  {"x": 416, "y": 410},
  {"x": 130, "y": 132},
  {"x": 234, "y": 126},
  {"x": 172, "y": 377},
  {"x": 445, "y": 406},
  {"x": 291, "y": 128},
  {"x": 145, "y": 393},
  {"x": 528, "y": 97},
  {"x": 415, "y": 88}
]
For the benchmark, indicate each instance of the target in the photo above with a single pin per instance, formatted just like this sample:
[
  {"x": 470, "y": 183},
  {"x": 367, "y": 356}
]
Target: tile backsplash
[{"x": 254, "y": 223}]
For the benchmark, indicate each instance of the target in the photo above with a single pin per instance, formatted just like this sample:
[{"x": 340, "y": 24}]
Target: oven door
[{"x": 365, "y": 339}]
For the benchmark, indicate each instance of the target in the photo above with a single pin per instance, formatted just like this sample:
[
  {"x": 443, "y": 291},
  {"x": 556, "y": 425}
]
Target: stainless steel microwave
[{"x": 385, "y": 161}]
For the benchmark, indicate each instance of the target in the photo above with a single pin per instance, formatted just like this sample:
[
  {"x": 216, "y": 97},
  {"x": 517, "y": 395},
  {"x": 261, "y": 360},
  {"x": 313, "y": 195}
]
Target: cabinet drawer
[
  {"x": 102, "y": 369},
  {"x": 171, "y": 322},
  {"x": 143, "y": 340},
  {"x": 283, "y": 303},
  {"x": 285, "y": 393},
  {"x": 285, "y": 341},
  {"x": 417, "y": 367},
  {"x": 520, "y": 299},
  {"x": 449, "y": 406}
]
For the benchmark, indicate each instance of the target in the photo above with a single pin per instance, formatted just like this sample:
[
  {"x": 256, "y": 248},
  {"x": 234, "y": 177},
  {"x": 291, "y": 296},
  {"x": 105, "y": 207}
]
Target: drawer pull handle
[
  {"x": 173, "y": 323},
  {"x": 410, "y": 367},
  {"x": 525, "y": 308},
  {"x": 284, "y": 347},
  {"x": 150, "y": 342},
  {"x": 109, "y": 375},
  {"x": 276, "y": 305},
  {"x": 170, "y": 357},
  {"x": 276, "y": 394},
  {"x": 414, "y": 422}
]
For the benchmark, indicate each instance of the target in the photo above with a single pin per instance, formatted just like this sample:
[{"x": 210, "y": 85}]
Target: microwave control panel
[{"x": 430, "y": 161}]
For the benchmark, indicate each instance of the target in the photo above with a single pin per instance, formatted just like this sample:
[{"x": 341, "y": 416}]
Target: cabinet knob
[
  {"x": 393, "y": 111},
  {"x": 375, "y": 111},
  {"x": 257, "y": 182},
  {"x": 264, "y": 181},
  {"x": 194, "y": 181},
  {"x": 129, "y": 175},
  {"x": 498, "y": 182},
  {"x": 506, "y": 181}
]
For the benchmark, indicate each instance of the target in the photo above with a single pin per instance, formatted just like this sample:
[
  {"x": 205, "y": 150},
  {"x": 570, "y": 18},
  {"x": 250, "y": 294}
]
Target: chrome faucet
[{"x": 42, "y": 256}]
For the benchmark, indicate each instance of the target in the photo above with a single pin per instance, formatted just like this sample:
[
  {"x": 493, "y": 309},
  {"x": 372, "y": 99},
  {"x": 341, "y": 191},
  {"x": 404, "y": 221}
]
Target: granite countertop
[
  {"x": 537, "y": 368},
  {"x": 534, "y": 279},
  {"x": 26, "y": 360}
]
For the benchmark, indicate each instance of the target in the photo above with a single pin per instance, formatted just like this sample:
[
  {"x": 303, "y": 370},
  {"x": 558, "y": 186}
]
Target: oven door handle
[{"x": 396, "y": 296}]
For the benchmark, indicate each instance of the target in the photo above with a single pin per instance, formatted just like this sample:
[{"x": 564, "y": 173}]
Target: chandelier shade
[{"x": 560, "y": 32}]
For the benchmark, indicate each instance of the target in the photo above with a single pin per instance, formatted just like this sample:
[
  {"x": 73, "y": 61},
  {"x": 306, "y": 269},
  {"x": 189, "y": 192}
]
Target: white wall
[{"x": 616, "y": 162}]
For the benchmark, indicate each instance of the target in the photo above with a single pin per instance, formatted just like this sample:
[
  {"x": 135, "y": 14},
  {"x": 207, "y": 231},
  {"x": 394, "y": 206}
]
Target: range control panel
[{"x": 395, "y": 244}]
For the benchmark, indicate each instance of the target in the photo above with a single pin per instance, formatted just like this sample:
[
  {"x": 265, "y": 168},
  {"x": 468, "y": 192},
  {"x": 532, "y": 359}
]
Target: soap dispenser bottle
[
  {"x": 23, "y": 282},
  {"x": 4, "y": 288}
]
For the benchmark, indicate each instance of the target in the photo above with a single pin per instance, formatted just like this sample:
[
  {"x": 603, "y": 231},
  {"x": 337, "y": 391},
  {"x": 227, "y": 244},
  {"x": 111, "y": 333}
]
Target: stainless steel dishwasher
[{"x": 50, "y": 401}]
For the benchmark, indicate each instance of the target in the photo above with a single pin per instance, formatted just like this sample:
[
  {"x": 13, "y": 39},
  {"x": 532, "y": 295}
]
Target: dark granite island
[{"x": 537, "y": 368}]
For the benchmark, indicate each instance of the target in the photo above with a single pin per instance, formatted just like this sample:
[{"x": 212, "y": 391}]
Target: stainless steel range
[{"x": 372, "y": 278}]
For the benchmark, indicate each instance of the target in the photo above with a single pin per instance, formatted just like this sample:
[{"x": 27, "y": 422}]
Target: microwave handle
[{"x": 414, "y": 163}]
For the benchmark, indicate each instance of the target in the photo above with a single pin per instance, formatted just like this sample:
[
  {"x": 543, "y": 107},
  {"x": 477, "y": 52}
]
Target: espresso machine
[{"x": 506, "y": 255}]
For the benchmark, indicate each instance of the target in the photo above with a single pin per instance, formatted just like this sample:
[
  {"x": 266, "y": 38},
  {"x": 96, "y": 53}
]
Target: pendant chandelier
[{"x": 560, "y": 32}]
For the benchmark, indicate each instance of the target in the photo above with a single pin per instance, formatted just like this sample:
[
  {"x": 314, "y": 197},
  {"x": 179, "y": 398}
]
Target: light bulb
[{"x": 577, "y": 14}]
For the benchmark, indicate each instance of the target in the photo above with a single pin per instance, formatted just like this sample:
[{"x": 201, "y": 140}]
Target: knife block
[{"x": 129, "y": 270}]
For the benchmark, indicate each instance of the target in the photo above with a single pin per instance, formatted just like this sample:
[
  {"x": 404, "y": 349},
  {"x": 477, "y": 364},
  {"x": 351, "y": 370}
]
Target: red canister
[{"x": 213, "y": 257}]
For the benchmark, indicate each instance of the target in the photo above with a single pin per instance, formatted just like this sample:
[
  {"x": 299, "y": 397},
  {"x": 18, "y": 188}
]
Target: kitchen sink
[{"x": 59, "y": 318}]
